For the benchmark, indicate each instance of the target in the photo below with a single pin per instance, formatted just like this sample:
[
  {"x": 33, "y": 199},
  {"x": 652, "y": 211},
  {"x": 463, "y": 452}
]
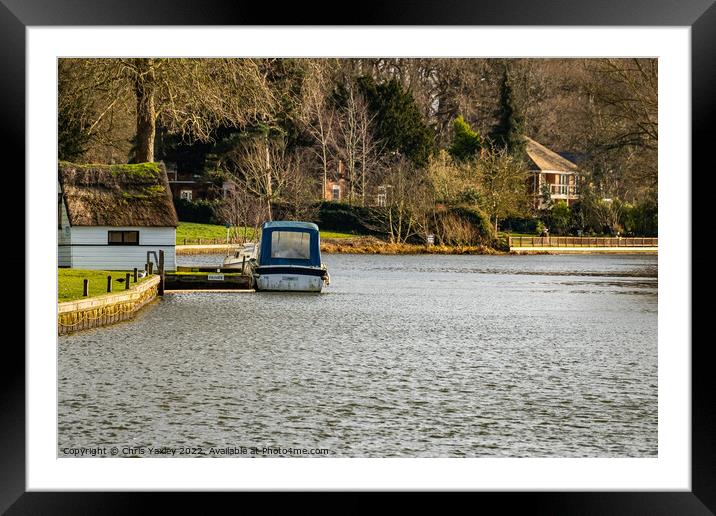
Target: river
[{"x": 401, "y": 356}]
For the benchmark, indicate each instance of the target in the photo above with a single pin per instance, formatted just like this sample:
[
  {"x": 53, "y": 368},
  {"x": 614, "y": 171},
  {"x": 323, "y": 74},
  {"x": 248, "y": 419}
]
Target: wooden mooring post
[
  {"x": 135, "y": 274},
  {"x": 127, "y": 280},
  {"x": 109, "y": 283},
  {"x": 85, "y": 288},
  {"x": 160, "y": 287}
]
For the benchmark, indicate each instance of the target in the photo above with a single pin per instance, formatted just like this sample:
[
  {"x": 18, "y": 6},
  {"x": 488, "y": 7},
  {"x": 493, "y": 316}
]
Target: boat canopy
[{"x": 290, "y": 243}]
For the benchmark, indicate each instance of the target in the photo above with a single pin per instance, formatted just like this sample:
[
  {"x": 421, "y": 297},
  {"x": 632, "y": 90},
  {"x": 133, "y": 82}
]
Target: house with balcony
[{"x": 550, "y": 173}]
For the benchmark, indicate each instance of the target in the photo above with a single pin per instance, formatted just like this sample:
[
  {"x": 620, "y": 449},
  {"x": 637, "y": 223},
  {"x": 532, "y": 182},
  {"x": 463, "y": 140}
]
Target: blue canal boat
[{"x": 288, "y": 258}]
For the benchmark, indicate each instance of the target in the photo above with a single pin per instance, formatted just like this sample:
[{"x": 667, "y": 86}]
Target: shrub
[
  {"x": 201, "y": 211},
  {"x": 345, "y": 218},
  {"x": 463, "y": 225},
  {"x": 559, "y": 218},
  {"x": 477, "y": 218},
  {"x": 520, "y": 225},
  {"x": 470, "y": 195},
  {"x": 639, "y": 219},
  {"x": 578, "y": 218}
]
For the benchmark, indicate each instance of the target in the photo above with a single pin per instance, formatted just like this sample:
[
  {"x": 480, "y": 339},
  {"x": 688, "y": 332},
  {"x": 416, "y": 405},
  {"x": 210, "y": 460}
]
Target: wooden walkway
[
  {"x": 592, "y": 242},
  {"x": 566, "y": 245},
  {"x": 583, "y": 250}
]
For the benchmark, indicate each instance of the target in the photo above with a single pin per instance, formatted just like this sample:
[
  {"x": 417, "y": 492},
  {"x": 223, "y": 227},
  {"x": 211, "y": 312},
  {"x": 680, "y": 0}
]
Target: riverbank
[
  {"x": 373, "y": 245},
  {"x": 105, "y": 309},
  {"x": 191, "y": 233},
  {"x": 356, "y": 245},
  {"x": 70, "y": 283}
]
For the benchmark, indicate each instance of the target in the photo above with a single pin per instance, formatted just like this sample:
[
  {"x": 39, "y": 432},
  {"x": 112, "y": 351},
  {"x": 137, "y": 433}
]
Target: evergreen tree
[
  {"x": 508, "y": 132},
  {"x": 466, "y": 143},
  {"x": 400, "y": 125}
]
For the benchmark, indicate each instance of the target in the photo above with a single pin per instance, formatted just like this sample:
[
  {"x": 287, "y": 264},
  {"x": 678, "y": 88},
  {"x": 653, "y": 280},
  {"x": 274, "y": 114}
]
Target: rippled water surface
[{"x": 434, "y": 356}]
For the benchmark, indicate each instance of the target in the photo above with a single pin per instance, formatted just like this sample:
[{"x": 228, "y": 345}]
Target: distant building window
[
  {"x": 336, "y": 190},
  {"x": 563, "y": 183},
  {"x": 123, "y": 237},
  {"x": 185, "y": 194},
  {"x": 228, "y": 188}
]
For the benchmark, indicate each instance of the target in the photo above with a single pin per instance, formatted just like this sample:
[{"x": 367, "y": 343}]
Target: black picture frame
[{"x": 700, "y": 15}]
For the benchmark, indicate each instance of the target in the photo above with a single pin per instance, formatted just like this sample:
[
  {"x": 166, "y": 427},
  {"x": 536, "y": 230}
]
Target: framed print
[{"x": 441, "y": 387}]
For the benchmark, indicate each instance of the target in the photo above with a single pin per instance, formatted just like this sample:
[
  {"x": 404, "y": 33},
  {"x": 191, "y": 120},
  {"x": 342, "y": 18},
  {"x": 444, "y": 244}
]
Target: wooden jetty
[
  {"x": 207, "y": 279},
  {"x": 203, "y": 278}
]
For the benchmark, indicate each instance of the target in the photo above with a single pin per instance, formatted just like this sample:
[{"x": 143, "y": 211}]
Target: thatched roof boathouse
[{"x": 109, "y": 216}]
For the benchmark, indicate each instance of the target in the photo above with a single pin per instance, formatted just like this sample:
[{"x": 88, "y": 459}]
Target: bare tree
[
  {"x": 348, "y": 137},
  {"x": 604, "y": 110},
  {"x": 319, "y": 115},
  {"x": 264, "y": 169},
  {"x": 627, "y": 90},
  {"x": 369, "y": 148},
  {"x": 451, "y": 181},
  {"x": 622, "y": 124},
  {"x": 406, "y": 210},
  {"x": 96, "y": 102},
  {"x": 252, "y": 168},
  {"x": 244, "y": 212},
  {"x": 191, "y": 97},
  {"x": 503, "y": 185},
  {"x": 355, "y": 143},
  {"x": 297, "y": 199}
]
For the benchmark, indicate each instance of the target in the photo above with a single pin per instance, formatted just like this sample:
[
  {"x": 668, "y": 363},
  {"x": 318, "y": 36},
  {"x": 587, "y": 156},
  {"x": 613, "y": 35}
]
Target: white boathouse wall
[
  {"x": 64, "y": 258},
  {"x": 88, "y": 248}
]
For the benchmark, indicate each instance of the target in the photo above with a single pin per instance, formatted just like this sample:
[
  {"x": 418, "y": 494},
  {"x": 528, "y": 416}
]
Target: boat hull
[
  {"x": 290, "y": 279},
  {"x": 289, "y": 283}
]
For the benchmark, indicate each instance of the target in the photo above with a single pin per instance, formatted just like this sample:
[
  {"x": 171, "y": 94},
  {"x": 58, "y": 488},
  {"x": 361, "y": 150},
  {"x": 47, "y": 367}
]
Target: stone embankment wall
[{"x": 94, "y": 312}]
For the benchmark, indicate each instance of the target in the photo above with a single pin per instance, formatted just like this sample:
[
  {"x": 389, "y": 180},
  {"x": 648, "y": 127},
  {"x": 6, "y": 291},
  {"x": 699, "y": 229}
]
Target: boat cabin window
[{"x": 291, "y": 244}]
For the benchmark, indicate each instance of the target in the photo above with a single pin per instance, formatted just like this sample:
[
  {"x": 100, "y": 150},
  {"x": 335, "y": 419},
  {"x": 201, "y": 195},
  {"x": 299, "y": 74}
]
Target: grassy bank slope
[
  {"x": 192, "y": 232},
  {"x": 372, "y": 245},
  {"x": 71, "y": 281}
]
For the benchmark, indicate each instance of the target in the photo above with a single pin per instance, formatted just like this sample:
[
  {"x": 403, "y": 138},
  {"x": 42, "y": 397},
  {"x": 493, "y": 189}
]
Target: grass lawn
[
  {"x": 506, "y": 234},
  {"x": 333, "y": 234},
  {"x": 71, "y": 281},
  {"x": 192, "y": 232}
]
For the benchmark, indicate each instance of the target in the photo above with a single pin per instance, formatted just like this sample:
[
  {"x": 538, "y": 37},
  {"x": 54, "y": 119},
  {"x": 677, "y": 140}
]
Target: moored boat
[
  {"x": 241, "y": 257},
  {"x": 288, "y": 258}
]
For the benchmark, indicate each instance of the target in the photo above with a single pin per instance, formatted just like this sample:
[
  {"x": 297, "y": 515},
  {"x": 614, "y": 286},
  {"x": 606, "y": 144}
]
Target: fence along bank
[{"x": 583, "y": 244}]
